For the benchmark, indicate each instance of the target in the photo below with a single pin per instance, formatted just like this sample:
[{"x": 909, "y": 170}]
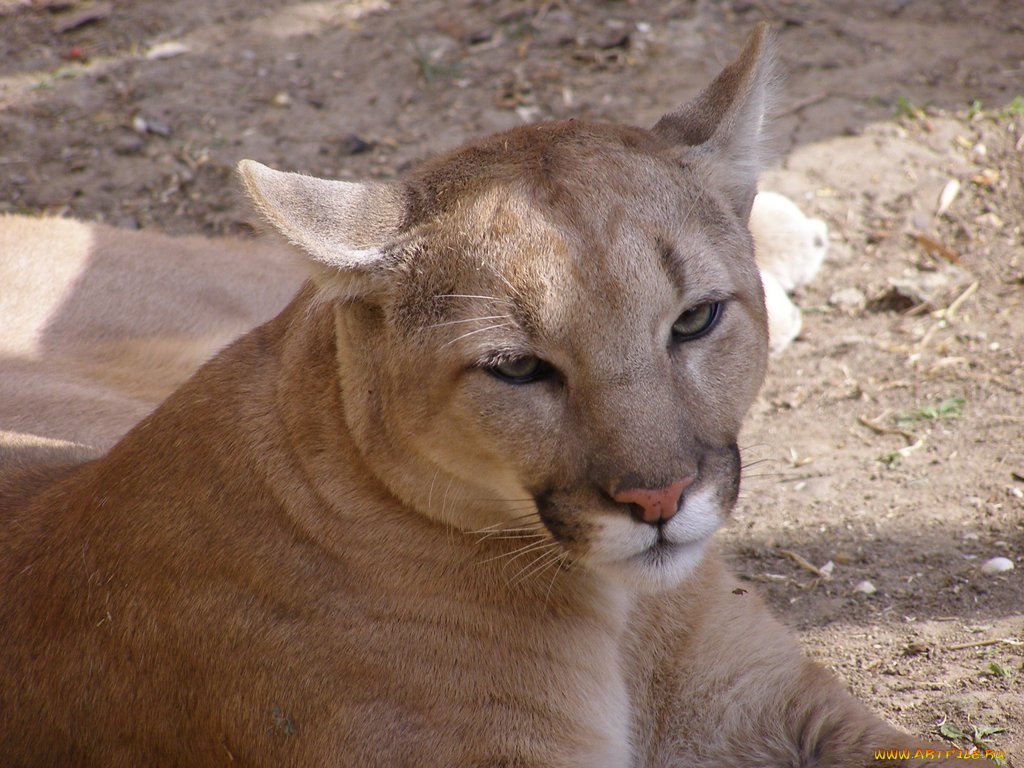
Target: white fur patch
[{"x": 628, "y": 551}]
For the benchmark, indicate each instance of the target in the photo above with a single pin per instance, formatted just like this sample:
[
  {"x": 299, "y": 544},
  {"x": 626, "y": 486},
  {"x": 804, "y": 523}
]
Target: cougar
[{"x": 454, "y": 505}]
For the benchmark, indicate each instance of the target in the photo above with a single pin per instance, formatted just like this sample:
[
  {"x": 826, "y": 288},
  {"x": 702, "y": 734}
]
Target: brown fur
[{"x": 345, "y": 542}]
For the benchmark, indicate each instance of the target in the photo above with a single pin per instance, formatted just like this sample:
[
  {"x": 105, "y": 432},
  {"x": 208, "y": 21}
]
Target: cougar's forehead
[
  {"x": 589, "y": 262},
  {"x": 565, "y": 234}
]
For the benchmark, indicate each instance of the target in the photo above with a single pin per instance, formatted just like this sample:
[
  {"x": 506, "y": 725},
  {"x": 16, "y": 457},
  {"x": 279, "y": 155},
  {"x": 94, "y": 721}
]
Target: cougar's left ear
[
  {"x": 345, "y": 227},
  {"x": 725, "y": 122}
]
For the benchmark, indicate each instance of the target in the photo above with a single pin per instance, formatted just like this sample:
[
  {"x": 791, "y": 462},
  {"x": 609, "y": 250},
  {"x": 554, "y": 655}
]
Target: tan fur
[
  {"x": 88, "y": 347},
  {"x": 345, "y": 542}
]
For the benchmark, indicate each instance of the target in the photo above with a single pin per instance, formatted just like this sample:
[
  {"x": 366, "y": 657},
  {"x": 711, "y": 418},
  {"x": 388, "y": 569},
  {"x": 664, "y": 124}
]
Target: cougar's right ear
[
  {"x": 725, "y": 121},
  {"x": 345, "y": 227}
]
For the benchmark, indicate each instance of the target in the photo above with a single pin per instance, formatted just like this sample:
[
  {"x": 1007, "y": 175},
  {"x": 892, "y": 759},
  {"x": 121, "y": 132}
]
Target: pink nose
[{"x": 659, "y": 506}]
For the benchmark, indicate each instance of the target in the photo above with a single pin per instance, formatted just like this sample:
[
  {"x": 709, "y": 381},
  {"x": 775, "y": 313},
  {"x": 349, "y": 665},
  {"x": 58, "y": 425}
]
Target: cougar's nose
[{"x": 654, "y": 507}]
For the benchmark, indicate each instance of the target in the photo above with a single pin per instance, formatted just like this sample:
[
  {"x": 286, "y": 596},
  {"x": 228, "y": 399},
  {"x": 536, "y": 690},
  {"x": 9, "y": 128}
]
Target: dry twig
[
  {"x": 912, "y": 439},
  {"x": 984, "y": 643},
  {"x": 804, "y": 563}
]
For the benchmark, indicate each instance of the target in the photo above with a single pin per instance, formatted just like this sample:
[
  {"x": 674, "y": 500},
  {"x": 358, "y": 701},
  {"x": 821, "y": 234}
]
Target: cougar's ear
[
  {"x": 345, "y": 227},
  {"x": 725, "y": 122}
]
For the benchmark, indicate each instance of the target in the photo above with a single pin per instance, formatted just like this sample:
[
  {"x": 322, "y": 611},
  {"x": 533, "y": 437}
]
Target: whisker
[
  {"x": 444, "y": 505},
  {"x": 477, "y": 330},
  {"x": 496, "y": 273},
  {"x": 517, "y": 553},
  {"x": 501, "y": 498},
  {"x": 470, "y": 320},
  {"x": 559, "y": 562},
  {"x": 544, "y": 559},
  {"x": 492, "y": 531},
  {"x": 514, "y": 537},
  {"x": 498, "y": 526},
  {"x": 755, "y": 462},
  {"x": 430, "y": 493},
  {"x": 500, "y": 534},
  {"x": 467, "y": 296}
]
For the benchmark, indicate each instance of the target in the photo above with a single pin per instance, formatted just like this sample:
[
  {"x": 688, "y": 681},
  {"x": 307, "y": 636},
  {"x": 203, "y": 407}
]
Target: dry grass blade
[
  {"x": 804, "y": 563},
  {"x": 912, "y": 439},
  {"x": 935, "y": 248},
  {"x": 984, "y": 643}
]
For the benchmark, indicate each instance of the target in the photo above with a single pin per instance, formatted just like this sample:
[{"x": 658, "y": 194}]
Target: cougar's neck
[{"x": 320, "y": 475}]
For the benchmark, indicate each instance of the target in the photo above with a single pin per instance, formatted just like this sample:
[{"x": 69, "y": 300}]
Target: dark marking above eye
[
  {"x": 670, "y": 261},
  {"x": 666, "y": 251}
]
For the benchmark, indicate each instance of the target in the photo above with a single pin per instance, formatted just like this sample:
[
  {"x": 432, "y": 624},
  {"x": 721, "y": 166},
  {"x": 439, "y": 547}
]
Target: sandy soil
[{"x": 889, "y": 440}]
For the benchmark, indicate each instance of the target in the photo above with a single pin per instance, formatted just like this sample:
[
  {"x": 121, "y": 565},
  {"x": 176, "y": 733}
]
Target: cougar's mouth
[{"x": 644, "y": 556}]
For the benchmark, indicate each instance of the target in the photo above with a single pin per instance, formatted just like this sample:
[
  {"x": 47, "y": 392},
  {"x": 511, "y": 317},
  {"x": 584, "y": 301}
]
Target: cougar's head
[{"x": 558, "y": 328}]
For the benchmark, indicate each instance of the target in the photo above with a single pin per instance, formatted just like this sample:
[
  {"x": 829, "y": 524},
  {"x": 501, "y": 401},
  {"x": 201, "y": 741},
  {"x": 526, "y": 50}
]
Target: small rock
[
  {"x": 158, "y": 126},
  {"x": 129, "y": 144},
  {"x": 146, "y": 125},
  {"x": 350, "y": 144},
  {"x": 281, "y": 99},
  {"x": 166, "y": 50},
  {"x": 127, "y": 222},
  {"x": 947, "y": 196},
  {"x": 921, "y": 221},
  {"x": 987, "y": 178},
  {"x": 865, "y": 587},
  {"x": 479, "y": 36},
  {"x": 88, "y": 14},
  {"x": 996, "y": 565},
  {"x": 608, "y": 39},
  {"x": 848, "y": 298},
  {"x": 991, "y": 220}
]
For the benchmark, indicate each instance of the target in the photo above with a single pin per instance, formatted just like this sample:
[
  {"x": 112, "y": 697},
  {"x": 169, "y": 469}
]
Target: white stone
[
  {"x": 997, "y": 565},
  {"x": 848, "y": 298}
]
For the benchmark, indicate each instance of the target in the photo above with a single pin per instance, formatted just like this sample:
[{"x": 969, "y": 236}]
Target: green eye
[
  {"x": 519, "y": 370},
  {"x": 695, "y": 322}
]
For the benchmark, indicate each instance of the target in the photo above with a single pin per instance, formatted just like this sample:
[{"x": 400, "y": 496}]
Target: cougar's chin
[{"x": 658, "y": 568}]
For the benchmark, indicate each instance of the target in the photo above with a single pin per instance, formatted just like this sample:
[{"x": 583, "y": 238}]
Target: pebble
[
  {"x": 166, "y": 50},
  {"x": 158, "y": 126},
  {"x": 129, "y": 144},
  {"x": 996, "y": 565},
  {"x": 865, "y": 587},
  {"x": 154, "y": 125},
  {"x": 848, "y": 298},
  {"x": 948, "y": 195},
  {"x": 350, "y": 144}
]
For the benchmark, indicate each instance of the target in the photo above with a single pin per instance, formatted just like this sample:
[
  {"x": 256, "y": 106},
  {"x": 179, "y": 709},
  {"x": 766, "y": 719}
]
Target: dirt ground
[{"x": 887, "y": 450}]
